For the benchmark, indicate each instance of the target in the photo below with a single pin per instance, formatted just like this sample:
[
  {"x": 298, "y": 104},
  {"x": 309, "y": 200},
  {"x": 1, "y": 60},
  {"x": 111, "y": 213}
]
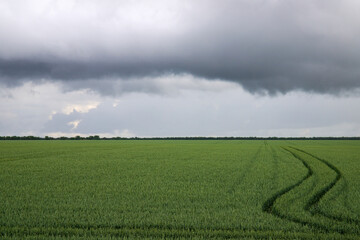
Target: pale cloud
[
  {"x": 52, "y": 114},
  {"x": 336, "y": 130},
  {"x": 230, "y": 112},
  {"x": 28, "y": 107},
  {"x": 126, "y": 133},
  {"x": 74, "y": 124},
  {"x": 64, "y": 134},
  {"x": 32, "y": 106},
  {"x": 82, "y": 108},
  {"x": 165, "y": 84}
]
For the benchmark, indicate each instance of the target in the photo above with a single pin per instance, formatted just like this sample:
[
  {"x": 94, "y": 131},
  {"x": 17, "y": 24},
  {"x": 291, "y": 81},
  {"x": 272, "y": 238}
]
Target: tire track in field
[
  {"x": 308, "y": 190},
  {"x": 345, "y": 190},
  {"x": 268, "y": 205},
  {"x": 322, "y": 192},
  {"x": 316, "y": 198},
  {"x": 312, "y": 204},
  {"x": 245, "y": 170}
]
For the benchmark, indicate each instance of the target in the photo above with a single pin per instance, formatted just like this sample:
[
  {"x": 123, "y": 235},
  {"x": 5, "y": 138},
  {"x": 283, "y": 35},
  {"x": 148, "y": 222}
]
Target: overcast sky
[{"x": 180, "y": 68}]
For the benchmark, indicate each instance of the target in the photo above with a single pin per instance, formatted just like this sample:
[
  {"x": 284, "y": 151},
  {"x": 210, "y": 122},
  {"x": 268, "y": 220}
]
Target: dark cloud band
[{"x": 277, "y": 46}]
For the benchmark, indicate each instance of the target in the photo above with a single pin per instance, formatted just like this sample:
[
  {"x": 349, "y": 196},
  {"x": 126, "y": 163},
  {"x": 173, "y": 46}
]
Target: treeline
[{"x": 97, "y": 137}]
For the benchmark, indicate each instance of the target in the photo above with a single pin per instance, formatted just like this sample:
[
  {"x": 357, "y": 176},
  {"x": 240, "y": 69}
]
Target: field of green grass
[{"x": 196, "y": 189}]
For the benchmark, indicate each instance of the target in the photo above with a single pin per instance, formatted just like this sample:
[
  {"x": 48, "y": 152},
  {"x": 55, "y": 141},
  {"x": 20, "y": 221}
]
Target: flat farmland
[{"x": 199, "y": 189}]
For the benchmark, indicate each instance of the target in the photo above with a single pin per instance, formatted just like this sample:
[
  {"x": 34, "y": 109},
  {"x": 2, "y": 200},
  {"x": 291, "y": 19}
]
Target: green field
[{"x": 180, "y": 189}]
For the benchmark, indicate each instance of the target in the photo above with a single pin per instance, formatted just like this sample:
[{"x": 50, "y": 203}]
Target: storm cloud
[{"x": 266, "y": 46}]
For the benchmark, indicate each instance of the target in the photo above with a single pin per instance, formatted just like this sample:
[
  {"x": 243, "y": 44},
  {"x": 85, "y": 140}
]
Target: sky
[{"x": 180, "y": 68}]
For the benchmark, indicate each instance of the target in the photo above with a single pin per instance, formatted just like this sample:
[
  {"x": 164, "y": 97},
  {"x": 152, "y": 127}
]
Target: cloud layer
[
  {"x": 43, "y": 109},
  {"x": 272, "y": 46}
]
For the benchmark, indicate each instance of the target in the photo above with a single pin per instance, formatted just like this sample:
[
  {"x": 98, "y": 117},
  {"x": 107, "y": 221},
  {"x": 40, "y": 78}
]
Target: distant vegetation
[
  {"x": 180, "y": 189},
  {"x": 97, "y": 137}
]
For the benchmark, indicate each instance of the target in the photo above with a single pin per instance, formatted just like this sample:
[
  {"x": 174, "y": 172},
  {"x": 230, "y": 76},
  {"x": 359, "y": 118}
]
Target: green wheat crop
[{"x": 182, "y": 189}]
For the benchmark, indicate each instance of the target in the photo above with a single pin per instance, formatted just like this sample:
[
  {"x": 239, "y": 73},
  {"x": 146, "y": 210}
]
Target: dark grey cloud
[{"x": 272, "y": 46}]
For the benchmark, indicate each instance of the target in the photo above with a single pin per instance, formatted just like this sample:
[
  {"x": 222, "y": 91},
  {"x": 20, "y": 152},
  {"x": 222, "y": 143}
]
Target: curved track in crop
[{"x": 311, "y": 205}]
